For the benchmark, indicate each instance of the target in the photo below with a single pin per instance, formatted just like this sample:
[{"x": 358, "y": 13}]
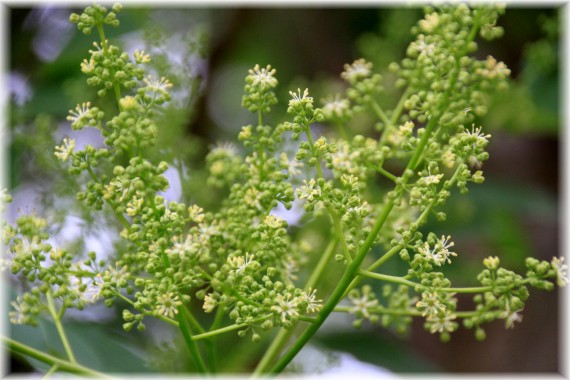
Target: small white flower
[
  {"x": 336, "y": 107},
  {"x": 285, "y": 307},
  {"x": 290, "y": 267},
  {"x": 94, "y": 288},
  {"x": 430, "y": 304},
  {"x": 357, "y": 70},
  {"x": 310, "y": 298},
  {"x": 273, "y": 221},
  {"x": 431, "y": 179},
  {"x": 240, "y": 263},
  {"x": 182, "y": 247},
  {"x": 64, "y": 151},
  {"x": 262, "y": 77},
  {"x": 209, "y": 303},
  {"x": 448, "y": 158},
  {"x": 118, "y": 274},
  {"x": 292, "y": 166},
  {"x": 308, "y": 190},
  {"x": 494, "y": 69},
  {"x": 252, "y": 197},
  {"x": 298, "y": 99},
  {"x": 167, "y": 304},
  {"x": 510, "y": 317},
  {"x": 407, "y": 128},
  {"x": 443, "y": 245},
  {"x": 225, "y": 149},
  {"x": 80, "y": 114},
  {"x": 158, "y": 85},
  {"x": 196, "y": 214},
  {"x": 478, "y": 134},
  {"x": 422, "y": 47},
  {"x": 432, "y": 254},
  {"x": 430, "y": 22},
  {"x": 87, "y": 67},
  {"x": 134, "y": 206},
  {"x": 362, "y": 304},
  {"x": 561, "y": 271},
  {"x": 442, "y": 323},
  {"x": 141, "y": 57},
  {"x": 18, "y": 315}
]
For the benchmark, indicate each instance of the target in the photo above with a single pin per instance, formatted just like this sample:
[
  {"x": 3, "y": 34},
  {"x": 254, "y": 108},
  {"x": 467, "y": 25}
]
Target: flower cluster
[{"x": 241, "y": 261}]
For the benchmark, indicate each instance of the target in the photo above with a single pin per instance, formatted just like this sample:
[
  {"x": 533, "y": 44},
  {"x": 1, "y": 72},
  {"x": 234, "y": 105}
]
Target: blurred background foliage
[{"x": 206, "y": 52}]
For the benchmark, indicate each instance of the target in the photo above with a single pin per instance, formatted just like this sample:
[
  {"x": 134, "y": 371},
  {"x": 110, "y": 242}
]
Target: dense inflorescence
[{"x": 242, "y": 260}]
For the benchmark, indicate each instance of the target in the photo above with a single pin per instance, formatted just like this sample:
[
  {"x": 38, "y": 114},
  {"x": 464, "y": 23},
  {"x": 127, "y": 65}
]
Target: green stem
[
  {"x": 283, "y": 335},
  {"x": 307, "y": 319},
  {"x": 117, "y": 90},
  {"x": 102, "y": 37},
  {"x": 385, "y": 277},
  {"x": 354, "y": 266},
  {"x": 395, "y": 115},
  {"x": 146, "y": 312},
  {"x": 338, "y": 292},
  {"x": 63, "y": 365},
  {"x": 415, "y": 160},
  {"x": 340, "y": 233},
  {"x": 479, "y": 289},
  {"x": 212, "y": 341},
  {"x": 226, "y": 329},
  {"x": 195, "y": 324},
  {"x": 385, "y": 257},
  {"x": 59, "y": 327},
  {"x": 320, "y": 267},
  {"x": 311, "y": 142},
  {"x": 403, "y": 281},
  {"x": 399, "y": 107},
  {"x": 380, "y": 113},
  {"x": 381, "y": 310},
  {"x": 387, "y": 174},
  {"x": 375, "y": 265},
  {"x": 184, "y": 326},
  {"x": 411, "y": 313},
  {"x": 54, "y": 368}
]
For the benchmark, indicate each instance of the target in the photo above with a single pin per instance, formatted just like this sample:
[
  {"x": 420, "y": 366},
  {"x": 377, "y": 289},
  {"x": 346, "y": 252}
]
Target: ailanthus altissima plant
[{"x": 238, "y": 269}]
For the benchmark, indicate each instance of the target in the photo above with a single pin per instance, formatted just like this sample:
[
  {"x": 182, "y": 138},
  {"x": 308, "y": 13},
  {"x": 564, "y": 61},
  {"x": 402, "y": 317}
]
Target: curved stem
[
  {"x": 385, "y": 277},
  {"x": 54, "y": 368},
  {"x": 233, "y": 327},
  {"x": 56, "y": 319},
  {"x": 338, "y": 292},
  {"x": 62, "y": 364},
  {"x": 387, "y": 174},
  {"x": 375, "y": 265},
  {"x": 380, "y": 113},
  {"x": 184, "y": 325},
  {"x": 400, "y": 106}
]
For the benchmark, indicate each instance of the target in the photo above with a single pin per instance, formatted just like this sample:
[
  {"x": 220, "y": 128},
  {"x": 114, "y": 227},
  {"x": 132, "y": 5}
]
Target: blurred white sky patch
[
  {"x": 19, "y": 88},
  {"x": 292, "y": 216},
  {"x": 53, "y": 31},
  {"x": 329, "y": 364},
  {"x": 174, "y": 191}
]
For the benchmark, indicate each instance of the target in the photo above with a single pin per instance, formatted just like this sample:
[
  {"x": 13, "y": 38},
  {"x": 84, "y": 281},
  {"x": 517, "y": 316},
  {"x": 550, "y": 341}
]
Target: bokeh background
[{"x": 206, "y": 52}]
